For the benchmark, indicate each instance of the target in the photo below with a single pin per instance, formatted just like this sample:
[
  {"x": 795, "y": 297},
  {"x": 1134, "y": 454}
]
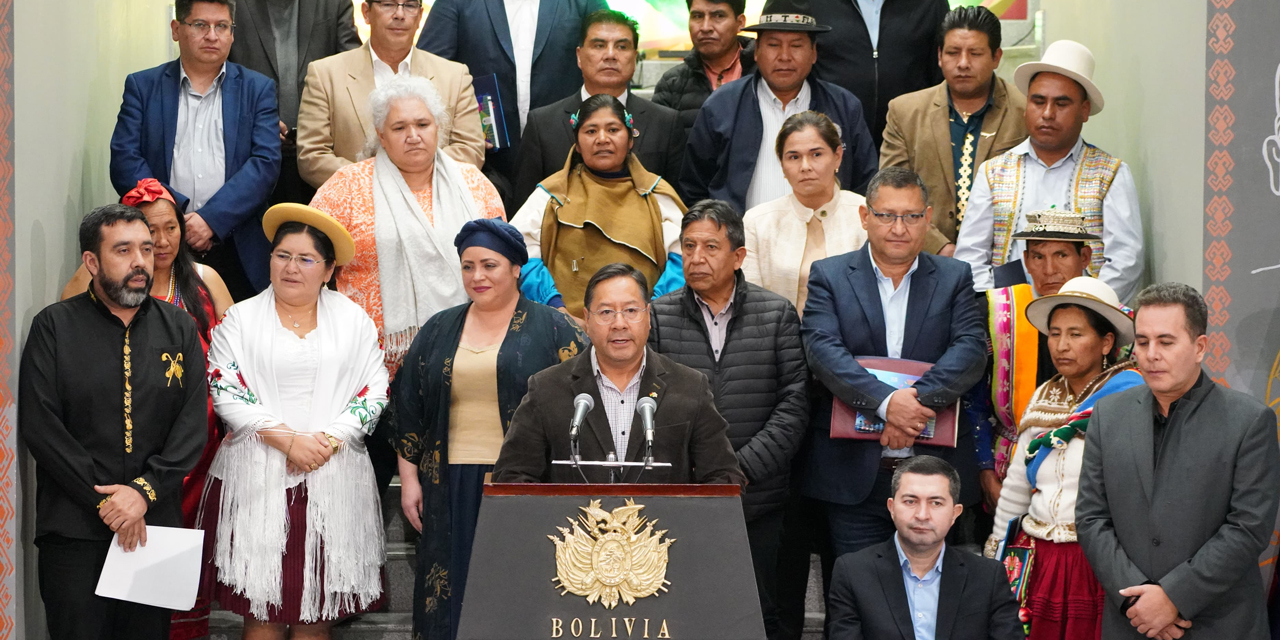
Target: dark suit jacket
[
  {"x": 325, "y": 28},
  {"x": 475, "y": 33},
  {"x": 142, "y": 147},
  {"x": 843, "y": 320},
  {"x": 548, "y": 137},
  {"x": 869, "y": 600},
  {"x": 689, "y": 432},
  {"x": 1195, "y": 523},
  {"x": 720, "y": 157}
]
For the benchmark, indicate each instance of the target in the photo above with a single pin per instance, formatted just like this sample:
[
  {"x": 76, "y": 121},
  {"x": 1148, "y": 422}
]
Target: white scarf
[
  {"x": 344, "y": 519},
  {"x": 417, "y": 264}
]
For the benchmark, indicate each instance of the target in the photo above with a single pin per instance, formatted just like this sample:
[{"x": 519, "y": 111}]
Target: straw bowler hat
[
  {"x": 1068, "y": 58},
  {"x": 1086, "y": 292},
  {"x": 344, "y": 248}
]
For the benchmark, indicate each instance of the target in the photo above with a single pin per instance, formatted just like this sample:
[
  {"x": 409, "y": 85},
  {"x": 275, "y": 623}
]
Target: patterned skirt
[
  {"x": 1064, "y": 598},
  {"x": 290, "y": 611}
]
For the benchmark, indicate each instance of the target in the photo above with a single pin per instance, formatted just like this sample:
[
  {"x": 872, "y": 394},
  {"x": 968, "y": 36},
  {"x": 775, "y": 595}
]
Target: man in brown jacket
[
  {"x": 945, "y": 132},
  {"x": 334, "y": 120}
]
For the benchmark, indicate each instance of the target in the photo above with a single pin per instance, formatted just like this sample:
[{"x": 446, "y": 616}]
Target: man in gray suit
[
  {"x": 1178, "y": 489},
  {"x": 279, "y": 38}
]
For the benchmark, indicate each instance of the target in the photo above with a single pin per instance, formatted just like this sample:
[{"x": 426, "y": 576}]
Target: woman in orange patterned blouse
[{"x": 403, "y": 206}]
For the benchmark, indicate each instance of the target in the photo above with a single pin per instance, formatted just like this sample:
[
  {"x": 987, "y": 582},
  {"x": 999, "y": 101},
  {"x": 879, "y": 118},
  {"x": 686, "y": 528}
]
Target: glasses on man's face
[
  {"x": 411, "y": 7},
  {"x": 887, "y": 219},
  {"x": 202, "y": 28},
  {"x": 630, "y": 314},
  {"x": 303, "y": 262}
]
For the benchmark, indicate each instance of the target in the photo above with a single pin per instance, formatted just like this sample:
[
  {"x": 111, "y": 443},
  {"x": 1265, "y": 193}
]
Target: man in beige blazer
[
  {"x": 334, "y": 120},
  {"x": 945, "y": 132}
]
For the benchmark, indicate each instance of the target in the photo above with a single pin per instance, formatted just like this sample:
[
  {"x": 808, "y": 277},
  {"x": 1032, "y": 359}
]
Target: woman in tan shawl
[{"x": 603, "y": 207}]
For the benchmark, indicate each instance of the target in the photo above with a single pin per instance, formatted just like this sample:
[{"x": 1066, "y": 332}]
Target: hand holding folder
[{"x": 848, "y": 423}]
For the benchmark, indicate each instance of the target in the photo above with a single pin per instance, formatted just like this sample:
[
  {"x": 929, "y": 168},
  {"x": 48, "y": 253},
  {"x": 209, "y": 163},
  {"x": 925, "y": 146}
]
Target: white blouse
[
  {"x": 1051, "y": 509},
  {"x": 297, "y": 362},
  {"x": 776, "y": 234}
]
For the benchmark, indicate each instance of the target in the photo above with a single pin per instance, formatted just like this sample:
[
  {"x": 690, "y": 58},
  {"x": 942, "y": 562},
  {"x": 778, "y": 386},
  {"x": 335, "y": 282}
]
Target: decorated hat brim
[
  {"x": 1055, "y": 235},
  {"x": 787, "y": 22}
]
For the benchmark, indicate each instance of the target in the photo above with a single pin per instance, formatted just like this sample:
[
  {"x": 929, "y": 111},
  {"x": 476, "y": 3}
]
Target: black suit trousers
[{"x": 69, "y": 570}]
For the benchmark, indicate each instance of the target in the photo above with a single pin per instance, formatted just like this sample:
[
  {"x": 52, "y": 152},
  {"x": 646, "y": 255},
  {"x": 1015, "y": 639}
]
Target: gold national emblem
[{"x": 611, "y": 556}]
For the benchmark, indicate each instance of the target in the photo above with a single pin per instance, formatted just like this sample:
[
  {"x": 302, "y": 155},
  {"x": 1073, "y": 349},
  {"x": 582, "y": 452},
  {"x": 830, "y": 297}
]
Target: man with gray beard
[{"x": 112, "y": 405}]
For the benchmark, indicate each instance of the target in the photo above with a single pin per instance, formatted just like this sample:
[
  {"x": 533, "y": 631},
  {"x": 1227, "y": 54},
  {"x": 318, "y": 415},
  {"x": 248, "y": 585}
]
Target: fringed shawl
[{"x": 344, "y": 539}]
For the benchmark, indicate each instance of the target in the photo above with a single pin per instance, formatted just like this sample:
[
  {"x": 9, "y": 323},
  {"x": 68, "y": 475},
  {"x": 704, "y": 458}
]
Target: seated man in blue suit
[
  {"x": 887, "y": 299},
  {"x": 208, "y": 130},
  {"x": 730, "y": 152},
  {"x": 932, "y": 591}
]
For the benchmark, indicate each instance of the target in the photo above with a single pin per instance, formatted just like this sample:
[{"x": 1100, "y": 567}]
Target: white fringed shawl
[
  {"x": 344, "y": 520},
  {"x": 417, "y": 264}
]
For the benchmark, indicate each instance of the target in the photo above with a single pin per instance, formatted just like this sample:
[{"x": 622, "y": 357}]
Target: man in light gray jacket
[{"x": 1179, "y": 487}]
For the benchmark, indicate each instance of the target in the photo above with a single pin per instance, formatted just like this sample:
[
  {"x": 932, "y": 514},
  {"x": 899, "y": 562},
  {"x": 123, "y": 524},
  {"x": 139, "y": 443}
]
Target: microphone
[
  {"x": 582, "y": 404},
  {"x": 646, "y": 407}
]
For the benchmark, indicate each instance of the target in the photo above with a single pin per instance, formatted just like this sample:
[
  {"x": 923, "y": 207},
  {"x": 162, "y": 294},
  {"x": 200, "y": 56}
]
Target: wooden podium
[{"x": 607, "y": 561}]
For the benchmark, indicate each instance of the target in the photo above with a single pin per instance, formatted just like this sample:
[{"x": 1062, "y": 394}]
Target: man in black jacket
[
  {"x": 879, "y": 50},
  {"x": 719, "y": 56},
  {"x": 607, "y": 57},
  {"x": 746, "y": 340}
]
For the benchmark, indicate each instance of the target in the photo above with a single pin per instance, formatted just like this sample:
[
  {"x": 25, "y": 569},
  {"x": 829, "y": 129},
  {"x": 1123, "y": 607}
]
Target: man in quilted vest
[
  {"x": 746, "y": 340},
  {"x": 1055, "y": 168}
]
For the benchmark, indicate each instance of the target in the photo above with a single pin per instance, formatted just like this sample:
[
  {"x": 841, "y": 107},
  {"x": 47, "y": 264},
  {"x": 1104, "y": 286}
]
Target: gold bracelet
[
  {"x": 290, "y": 449},
  {"x": 333, "y": 442}
]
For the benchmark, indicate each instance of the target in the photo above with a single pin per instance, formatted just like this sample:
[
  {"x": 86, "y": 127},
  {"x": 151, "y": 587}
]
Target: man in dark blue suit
[
  {"x": 533, "y": 55},
  {"x": 208, "y": 130},
  {"x": 887, "y": 299}
]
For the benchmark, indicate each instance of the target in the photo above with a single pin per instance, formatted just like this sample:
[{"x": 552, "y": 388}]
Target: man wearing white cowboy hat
[
  {"x": 1056, "y": 168},
  {"x": 730, "y": 154}
]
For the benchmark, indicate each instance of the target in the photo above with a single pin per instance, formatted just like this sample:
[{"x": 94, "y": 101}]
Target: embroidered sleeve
[
  {"x": 144, "y": 487},
  {"x": 360, "y": 416}
]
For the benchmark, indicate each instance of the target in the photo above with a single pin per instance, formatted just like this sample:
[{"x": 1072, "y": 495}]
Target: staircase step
[
  {"x": 401, "y": 560},
  {"x": 224, "y": 625}
]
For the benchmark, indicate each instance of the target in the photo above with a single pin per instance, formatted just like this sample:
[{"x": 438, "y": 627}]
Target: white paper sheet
[{"x": 165, "y": 573}]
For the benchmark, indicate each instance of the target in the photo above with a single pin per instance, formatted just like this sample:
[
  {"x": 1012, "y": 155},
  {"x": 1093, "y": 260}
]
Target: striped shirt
[{"x": 619, "y": 405}]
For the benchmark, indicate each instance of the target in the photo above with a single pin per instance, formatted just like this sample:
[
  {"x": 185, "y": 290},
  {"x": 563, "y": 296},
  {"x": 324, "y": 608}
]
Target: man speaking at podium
[{"x": 619, "y": 376}]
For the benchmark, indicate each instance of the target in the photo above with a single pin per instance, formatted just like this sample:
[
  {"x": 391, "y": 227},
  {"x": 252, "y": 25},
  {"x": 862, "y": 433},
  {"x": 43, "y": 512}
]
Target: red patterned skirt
[
  {"x": 1063, "y": 596},
  {"x": 290, "y": 611}
]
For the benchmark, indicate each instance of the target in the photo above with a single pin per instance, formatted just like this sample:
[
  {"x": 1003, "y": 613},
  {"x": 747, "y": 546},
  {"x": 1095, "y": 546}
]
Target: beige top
[
  {"x": 475, "y": 426},
  {"x": 776, "y": 235}
]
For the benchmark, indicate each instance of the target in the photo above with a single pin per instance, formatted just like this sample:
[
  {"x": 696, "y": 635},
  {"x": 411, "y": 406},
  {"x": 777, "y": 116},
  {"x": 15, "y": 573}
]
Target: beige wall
[
  {"x": 69, "y": 69},
  {"x": 1151, "y": 69}
]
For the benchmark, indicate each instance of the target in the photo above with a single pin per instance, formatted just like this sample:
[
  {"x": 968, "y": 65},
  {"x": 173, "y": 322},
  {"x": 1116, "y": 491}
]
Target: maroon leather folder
[{"x": 849, "y": 424}]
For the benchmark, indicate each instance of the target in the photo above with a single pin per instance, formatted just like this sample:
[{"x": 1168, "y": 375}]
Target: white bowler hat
[
  {"x": 1086, "y": 292},
  {"x": 1068, "y": 58}
]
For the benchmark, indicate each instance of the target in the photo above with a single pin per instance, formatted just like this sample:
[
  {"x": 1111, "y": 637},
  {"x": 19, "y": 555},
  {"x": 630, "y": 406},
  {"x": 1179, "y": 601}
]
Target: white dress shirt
[
  {"x": 893, "y": 302},
  {"x": 768, "y": 182},
  {"x": 1047, "y": 186},
  {"x": 622, "y": 98},
  {"x": 522, "y": 22},
  {"x": 619, "y": 404},
  {"x": 382, "y": 71},
  {"x": 199, "y": 156},
  {"x": 870, "y": 10}
]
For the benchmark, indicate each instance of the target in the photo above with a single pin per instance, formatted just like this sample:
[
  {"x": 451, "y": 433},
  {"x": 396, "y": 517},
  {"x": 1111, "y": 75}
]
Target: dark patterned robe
[{"x": 538, "y": 337}]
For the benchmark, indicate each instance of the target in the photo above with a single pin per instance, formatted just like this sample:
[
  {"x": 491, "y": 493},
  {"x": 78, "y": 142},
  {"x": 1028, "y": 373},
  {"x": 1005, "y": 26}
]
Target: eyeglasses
[
  {"x": 202, "y": 28},
  {"x": 887, "y": 219},
  {"x": 303, "y": 262},
  {"x": 390, "y": 6},
  {"x": 630, "y": 314}
]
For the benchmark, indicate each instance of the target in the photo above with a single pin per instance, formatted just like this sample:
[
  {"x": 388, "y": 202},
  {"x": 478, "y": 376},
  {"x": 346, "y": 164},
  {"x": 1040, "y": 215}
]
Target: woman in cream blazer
[{"x": 818, "y": 220}]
